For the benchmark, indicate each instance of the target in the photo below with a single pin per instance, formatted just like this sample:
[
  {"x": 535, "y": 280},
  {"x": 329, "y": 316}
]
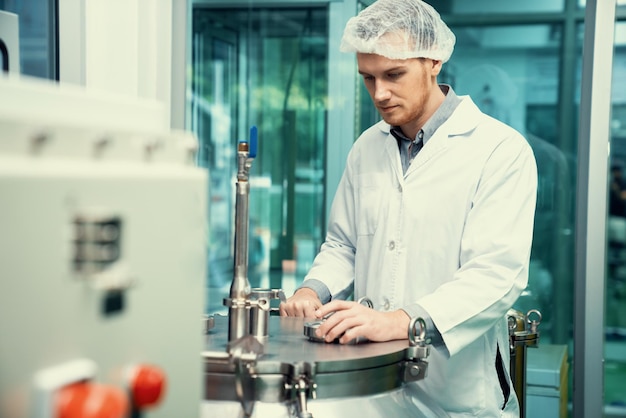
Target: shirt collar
[{"x": 443, "y": 112}]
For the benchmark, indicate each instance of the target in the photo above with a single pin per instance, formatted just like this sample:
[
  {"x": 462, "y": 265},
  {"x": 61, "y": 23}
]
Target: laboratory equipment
[
  {"x": 102, "y": 256},
  {"x": 523, "y": 333}
]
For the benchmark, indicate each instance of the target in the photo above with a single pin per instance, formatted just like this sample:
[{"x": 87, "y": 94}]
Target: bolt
[{"x": 414, "y": 370}]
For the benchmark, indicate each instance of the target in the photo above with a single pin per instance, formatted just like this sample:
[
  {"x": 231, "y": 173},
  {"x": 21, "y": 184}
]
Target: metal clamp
[
  {"x": 302, "y": 386},
  {"x": 208, "y": 323},
  {"x": 415, "y": 366},
  {"x": 523, "y": 328},
  {"x": 260, "y": 300},
  {"x": 417, "y": 332},
  {"x": 243, "y": 355}
]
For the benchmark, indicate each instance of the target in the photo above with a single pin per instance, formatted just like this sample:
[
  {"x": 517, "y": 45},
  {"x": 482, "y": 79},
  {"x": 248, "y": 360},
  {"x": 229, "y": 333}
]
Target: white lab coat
[{"x": 453, "y": 235}]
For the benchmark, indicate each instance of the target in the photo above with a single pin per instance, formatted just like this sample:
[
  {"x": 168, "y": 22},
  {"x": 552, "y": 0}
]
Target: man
[{"x": 432, "y": 218}]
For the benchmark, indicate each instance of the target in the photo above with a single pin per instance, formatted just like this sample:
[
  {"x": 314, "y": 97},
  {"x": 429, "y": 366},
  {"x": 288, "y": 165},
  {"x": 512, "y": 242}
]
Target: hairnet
[{"x": 399, "y": 29}]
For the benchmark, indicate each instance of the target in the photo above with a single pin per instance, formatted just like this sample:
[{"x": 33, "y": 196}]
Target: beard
[{"x": 400, "y": 116}]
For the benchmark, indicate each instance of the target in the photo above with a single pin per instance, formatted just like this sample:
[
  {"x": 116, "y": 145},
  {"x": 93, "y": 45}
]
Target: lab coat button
[
  {"x": 400, "y": 189},
  {"x": 391, "y": 246},
  {"x": 386, "y": 304}
]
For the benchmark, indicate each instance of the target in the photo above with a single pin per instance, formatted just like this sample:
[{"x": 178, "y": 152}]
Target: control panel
[{"x": 102, "y": 258}]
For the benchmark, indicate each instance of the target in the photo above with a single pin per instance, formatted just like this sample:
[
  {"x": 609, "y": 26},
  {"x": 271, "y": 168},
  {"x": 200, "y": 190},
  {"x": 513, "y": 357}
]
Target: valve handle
[{"x": 254, "y": 139}]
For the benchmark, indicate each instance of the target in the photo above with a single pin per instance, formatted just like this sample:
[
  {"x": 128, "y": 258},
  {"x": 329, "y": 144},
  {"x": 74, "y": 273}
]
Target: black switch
[{"x": 113, "y": 302}]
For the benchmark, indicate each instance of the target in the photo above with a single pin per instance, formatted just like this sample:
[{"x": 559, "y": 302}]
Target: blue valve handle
[{"x": 254, "y": 139}]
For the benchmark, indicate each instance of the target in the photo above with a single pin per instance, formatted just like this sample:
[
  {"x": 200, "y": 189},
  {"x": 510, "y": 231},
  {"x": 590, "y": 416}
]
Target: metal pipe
[
  {"x": 238, "y": 306},
  {"x": 523, "y": 333},
  {"x": 518, "y": 375}
]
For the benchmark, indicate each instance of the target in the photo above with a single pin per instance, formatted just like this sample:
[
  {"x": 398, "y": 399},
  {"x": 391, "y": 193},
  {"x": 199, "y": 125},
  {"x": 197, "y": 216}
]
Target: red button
[
  {"x": 91, "y": 400},
  {"x": 147, "y": 385}
]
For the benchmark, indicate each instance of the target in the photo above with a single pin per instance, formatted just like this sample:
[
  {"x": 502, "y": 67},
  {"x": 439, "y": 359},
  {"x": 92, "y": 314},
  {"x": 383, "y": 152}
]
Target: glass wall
[
  {"x": 512, "y": 73},
  {"x": 266, "y": 67},
  {"x": 38, "y": 38}
]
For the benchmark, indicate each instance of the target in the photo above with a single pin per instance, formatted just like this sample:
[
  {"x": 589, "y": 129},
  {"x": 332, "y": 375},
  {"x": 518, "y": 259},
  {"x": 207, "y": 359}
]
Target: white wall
[{"x": 120, "y": 46}]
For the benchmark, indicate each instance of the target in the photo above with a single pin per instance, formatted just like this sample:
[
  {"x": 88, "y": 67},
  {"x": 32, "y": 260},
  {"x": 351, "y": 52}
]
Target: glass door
[{"x": 267, "y": 67}]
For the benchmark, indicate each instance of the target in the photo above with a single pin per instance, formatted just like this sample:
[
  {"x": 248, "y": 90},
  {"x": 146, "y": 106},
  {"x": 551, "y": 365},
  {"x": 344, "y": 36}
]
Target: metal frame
[
  {"x": 341, "y": 99},
  {"x": 591, "y": 199}
]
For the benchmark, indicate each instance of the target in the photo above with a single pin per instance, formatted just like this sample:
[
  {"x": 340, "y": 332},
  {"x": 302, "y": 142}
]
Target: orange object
[
  {"x": 147, "y": 386},
  {"x": 91, "y": 400}
]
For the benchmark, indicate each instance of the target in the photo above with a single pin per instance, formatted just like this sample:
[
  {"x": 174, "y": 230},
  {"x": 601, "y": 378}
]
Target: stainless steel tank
[{"x": 296, "y": 377}]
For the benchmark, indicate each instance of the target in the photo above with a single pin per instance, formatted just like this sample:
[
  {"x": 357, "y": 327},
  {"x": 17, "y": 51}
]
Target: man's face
[{"x": 403, "y": 91}]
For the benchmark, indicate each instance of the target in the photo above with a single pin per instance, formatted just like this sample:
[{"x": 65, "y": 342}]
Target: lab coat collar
[{"x": 464, "y": 120}]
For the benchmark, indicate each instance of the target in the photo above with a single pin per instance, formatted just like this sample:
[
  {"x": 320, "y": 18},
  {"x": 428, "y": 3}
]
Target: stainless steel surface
[
  {"x": 311, "y": 327},
  {"x": 260, "y": 311},
  {"x": 332, "y": 369},
  {"x": 295, "y": 377},
  {"x": 248, "y": 309},
  {"x": 287, "y": 344},
  {"x": 238, "y": 309}
]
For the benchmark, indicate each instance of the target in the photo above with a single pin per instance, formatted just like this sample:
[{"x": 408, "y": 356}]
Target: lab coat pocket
[{"x": 368, "y": 199}]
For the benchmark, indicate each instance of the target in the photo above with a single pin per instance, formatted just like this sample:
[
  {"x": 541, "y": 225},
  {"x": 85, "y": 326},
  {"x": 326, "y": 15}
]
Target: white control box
[{"x": 102, "y": 252}]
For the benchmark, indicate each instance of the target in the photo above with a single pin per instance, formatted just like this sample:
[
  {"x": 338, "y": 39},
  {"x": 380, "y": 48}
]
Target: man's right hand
[{"x": 303, "y": 303}]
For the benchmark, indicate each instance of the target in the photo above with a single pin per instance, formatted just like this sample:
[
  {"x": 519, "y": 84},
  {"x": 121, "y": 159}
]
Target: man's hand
[
  {"x": 351, "y": 320},
  {"x": 303, "y": 303}
]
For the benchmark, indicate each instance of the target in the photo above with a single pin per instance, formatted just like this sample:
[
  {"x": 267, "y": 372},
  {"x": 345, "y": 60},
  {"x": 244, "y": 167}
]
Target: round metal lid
[{"x": 287, "y": 344}]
